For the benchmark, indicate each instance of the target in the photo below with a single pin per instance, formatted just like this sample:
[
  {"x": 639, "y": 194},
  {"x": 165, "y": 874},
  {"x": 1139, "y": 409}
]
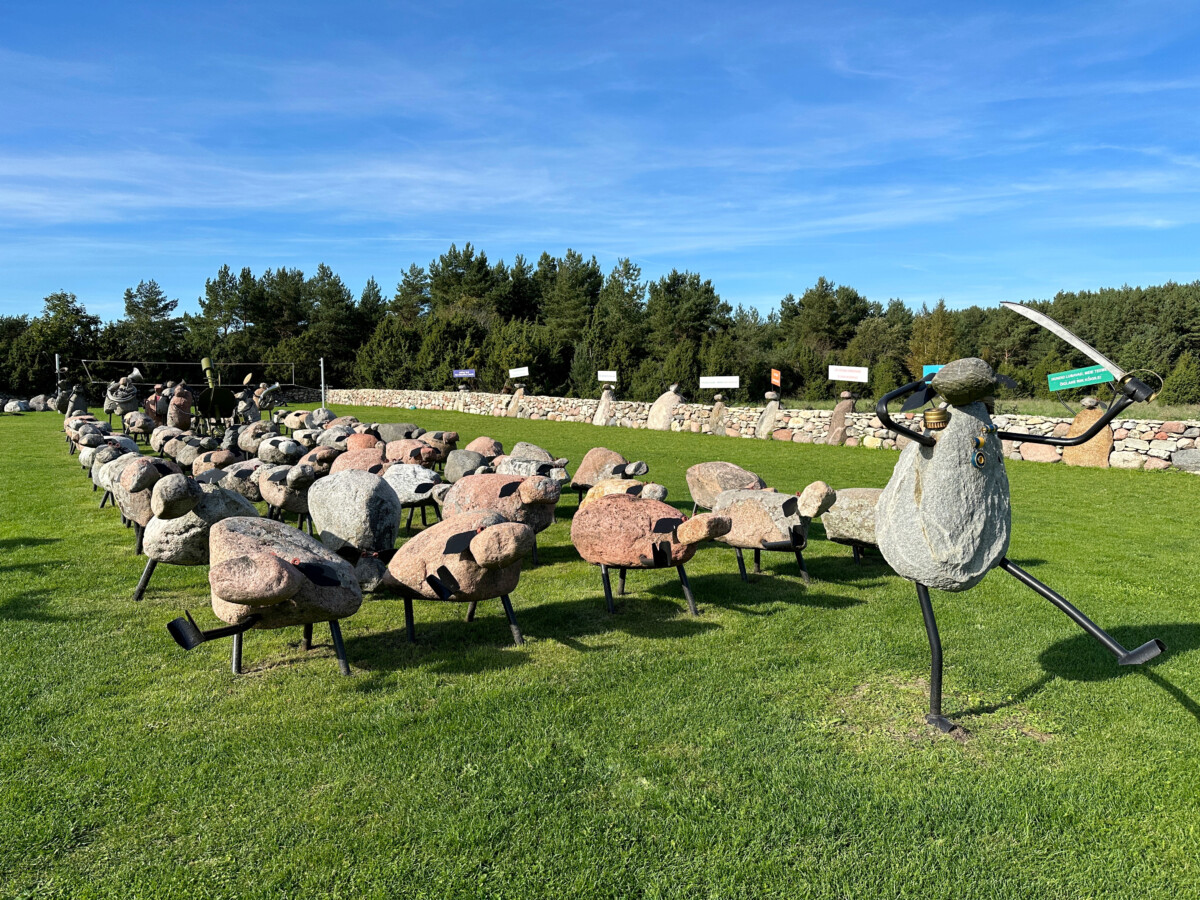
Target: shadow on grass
[
  {"x": 20, "y": 543},
  {"x": 28, "y": 607},
  {"x": 1080, "y": 658}
]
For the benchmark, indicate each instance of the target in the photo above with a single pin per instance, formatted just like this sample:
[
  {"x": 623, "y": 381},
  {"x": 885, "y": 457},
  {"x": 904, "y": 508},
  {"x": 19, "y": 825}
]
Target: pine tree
[{"x": 1182, "y": 386}]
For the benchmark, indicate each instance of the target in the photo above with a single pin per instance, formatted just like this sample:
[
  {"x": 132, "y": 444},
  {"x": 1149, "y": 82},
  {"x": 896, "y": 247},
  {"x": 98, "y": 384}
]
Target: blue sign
[
  {"x": 464, "y": 373},
  {"x": 929, "y": 370}
]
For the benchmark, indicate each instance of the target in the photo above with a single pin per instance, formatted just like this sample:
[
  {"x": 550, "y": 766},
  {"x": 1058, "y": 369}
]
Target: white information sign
[
  {"x": 607, "y": 375},
  {"x": 717, "y": 382},
  {"x": 849, "y": 373},
  {"x": 522, "y": 372}
]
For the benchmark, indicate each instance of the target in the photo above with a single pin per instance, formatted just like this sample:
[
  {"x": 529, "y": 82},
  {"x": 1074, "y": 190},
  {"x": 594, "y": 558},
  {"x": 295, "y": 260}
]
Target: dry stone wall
[{"x": 1136, "y": 444}]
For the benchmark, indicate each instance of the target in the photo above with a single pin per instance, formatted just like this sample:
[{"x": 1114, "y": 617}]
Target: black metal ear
[
  {"x": 789, "y": 506},
  {"x": 1005, "y": 381},
  {"x": 666, "y": 526},
  {"x": 423, "y": 488},
  {"x": 443, "y": 583},
  {"x": 635, "y": 489},
  {"x": 459, "y": 542},
  {"x": 319, "y": 574},
  {"x": 509, "y": 489},
  {"x": 277, "y": 477},
  {"x": 918, "y": 398},
  {"x": 544, "y": 468},
  {"x": 661, "y": 553},
  {"x": 618, "y": 470},
  {"x": 799, "y": 537},
  {"x": 376, "y": 469},
  {"x": 350, "y": 554},
  {"x": 385, "y": 556}
]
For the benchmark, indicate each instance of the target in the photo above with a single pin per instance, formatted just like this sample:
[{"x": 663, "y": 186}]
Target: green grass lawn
[{"x": 772, "y": 747}]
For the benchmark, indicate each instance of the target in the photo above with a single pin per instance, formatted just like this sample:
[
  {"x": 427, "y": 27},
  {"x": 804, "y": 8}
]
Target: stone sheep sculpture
[{"x": 630, "y": 532}]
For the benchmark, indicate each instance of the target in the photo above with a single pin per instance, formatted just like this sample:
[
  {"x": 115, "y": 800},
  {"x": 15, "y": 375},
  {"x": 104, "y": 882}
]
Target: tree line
[{"x": 565, "y": 319}]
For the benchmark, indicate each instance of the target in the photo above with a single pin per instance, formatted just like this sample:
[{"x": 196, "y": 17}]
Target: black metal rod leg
[
  {"x": 518, "y": 638},
  {"x": 235, "y": 655},
  {"x": 338, "y": 647},
  {"x": 803, "y": 568},
  {"x": 471, "y": 611},
  {"x": 857, "y": 555},
  {"x": 621, "y": 582},
  {"x": 935, "y": 717},
  {"x": 138, "y": 535},
  {"x": 409, "y": 625},
  {"x": 424, "y": 522},
  {"x": 1142, "y": 654},
  {"x": 533, "y": 555},
  {"x": 607, "y": 588},
  {"x": 687, "y": 590},
  {"x": 741, "y": 563},
  {"x": 140, "y": 591},
  {"x": 757, "y": 561},
  {"x": 306, "y": 641}
]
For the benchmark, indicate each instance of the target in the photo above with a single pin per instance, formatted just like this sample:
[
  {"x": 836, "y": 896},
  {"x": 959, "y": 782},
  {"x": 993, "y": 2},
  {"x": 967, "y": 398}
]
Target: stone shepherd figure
[{"x": 944, "y": 519}]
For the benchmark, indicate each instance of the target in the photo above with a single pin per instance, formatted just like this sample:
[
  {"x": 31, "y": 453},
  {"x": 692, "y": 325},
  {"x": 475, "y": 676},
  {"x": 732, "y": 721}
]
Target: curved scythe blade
[{"x": 1067, "y": 335}]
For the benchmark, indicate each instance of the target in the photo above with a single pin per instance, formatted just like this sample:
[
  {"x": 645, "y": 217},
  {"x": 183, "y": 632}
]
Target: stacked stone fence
[{"x": 1130, "y": 443}]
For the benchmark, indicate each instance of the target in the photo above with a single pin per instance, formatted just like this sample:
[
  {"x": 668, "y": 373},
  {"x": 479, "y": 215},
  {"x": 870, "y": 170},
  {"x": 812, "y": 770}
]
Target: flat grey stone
[
  {"x": 460, "y": 463},
  {"x": 412, "y": 484},
  {"x": 183, "y": 541},
  {"x": 965, "y": 381},
  {"x": 1188, "y": 460},
  {"x": 851, "y": 519},
  {"x": 356, "y": 509}
]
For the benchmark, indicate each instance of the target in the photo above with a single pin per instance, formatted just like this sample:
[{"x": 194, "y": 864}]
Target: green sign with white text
[{"x": 1061, "y": 381}]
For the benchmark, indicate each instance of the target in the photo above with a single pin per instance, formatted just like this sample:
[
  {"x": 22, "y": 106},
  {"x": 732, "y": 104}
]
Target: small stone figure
[{"x": 179, "y": 412}]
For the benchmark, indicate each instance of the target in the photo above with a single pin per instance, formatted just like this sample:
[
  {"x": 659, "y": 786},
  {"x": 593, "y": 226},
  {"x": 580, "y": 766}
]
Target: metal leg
[
  {"x": 1135, "y": 657},
  {"x": 424, "y": 522},
  {"x": 518, "y": 639},
  {"x": 96, "y": 487},
  {"x": 741, "y": 563},
  {"x": 235, "y": 655},
  {"x": 621, "y": 582},
  {"x": 757, "y": 561},
  {"x": 338, "y": 647},
  {"x": 857, "y": 554},
  {"x": 935, "y": 717},
  {"x": 306, "y": 641},
  {"x": 533, "y": 555},
  {"x": 138, "y": 534},
  {"x": 409, "y": 624},
  {"x": 687, "y": 590},
  {"x": 607, "y": 588},
  {"x": 803, "y": 568},
  {"x": 104, "y": 500},
  {"x": 471, "y": 611},
  {"x": 145, "y": 581}
]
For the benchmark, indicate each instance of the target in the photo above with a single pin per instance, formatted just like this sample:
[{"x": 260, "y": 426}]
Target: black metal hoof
[
  {"x": 1142, "y": 654},
  {"x": 941, "y": 723}
]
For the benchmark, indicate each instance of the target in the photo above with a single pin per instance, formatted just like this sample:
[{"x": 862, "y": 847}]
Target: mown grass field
[{"x": 772, "y": 747}]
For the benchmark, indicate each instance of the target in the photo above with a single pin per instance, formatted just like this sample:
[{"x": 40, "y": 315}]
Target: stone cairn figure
[
  {"x": 179, "y": 412},
  {"x": 630, "y": 532},
  {"x": 77, "y": 402},
  {"x": 156, "y": 405},
  {"x": 944, "y": 519},
  {"x": 768, "y": 520},
  {"x": 247, "y": 410},
  {"x": 120, "y": 398},
  {"x": 264, "y": 574}
]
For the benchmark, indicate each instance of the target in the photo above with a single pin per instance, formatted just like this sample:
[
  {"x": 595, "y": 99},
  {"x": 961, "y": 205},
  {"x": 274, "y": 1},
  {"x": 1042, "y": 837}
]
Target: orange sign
[{"x": 775, "y": 379}]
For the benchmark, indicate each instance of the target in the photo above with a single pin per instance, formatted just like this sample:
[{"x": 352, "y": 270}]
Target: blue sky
[{"x": 976, "y": 152}]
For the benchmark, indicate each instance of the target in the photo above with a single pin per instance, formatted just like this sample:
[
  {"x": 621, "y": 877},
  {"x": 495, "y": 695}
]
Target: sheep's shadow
[
  {"x": 28, "y": 606},
  {"x": 20, "y": 543}
]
